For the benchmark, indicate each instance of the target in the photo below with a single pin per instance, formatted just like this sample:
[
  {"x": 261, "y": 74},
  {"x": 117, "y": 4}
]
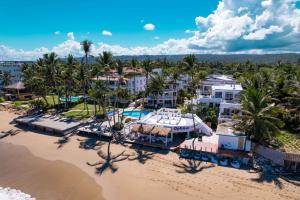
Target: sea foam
[{"x": 12, "y": 194}]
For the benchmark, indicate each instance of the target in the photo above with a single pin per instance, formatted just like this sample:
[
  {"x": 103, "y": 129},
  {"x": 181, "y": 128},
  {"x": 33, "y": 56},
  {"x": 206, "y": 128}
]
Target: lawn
[{"x": 289, "y": 142}]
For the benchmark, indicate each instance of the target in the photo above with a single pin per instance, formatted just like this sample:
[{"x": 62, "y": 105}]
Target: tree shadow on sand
[
  {"x": 269, "y": 178},
  {"x": 108, "y": 160},
  {"x": 90, "y": 144},
  {"x": 141, "y": 155},
  {"x": 192, "y": 166}
]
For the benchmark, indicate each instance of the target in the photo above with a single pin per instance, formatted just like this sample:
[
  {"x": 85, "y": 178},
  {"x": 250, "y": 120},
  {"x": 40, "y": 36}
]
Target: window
[
  {"x": 219, "y": 95},
  {"x": 228, "y": 96}
]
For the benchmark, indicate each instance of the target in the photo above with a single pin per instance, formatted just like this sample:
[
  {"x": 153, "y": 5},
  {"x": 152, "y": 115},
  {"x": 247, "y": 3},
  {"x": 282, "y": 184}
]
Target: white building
[
  {"x": 221, "y": 92},
  {"x": 226, "y": 137},
  {"x": 181, "y": 125},
  {"x": 132, "y": 80},
  {"x": 169, "y": 95},
  {"x": 12, "y": 67}
]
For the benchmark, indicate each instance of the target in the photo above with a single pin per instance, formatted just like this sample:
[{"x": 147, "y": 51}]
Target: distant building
[
  {"x": 12, "y": 67},
  {"x": 134, "y": 80}
]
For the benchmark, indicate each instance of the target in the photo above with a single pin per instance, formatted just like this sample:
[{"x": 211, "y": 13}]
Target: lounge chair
[
  {"x": 224, "y": 162},
  {"x": 235, "y": 164},
  {"x": 184, "y": 154}
]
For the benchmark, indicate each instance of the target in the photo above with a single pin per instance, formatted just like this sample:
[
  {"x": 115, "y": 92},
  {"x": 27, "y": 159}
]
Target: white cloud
[
  {"x": 149, "y": 27},
  {"x": 248, "y": 26},
  {"x": 156, "y": 38},
  {"x": 57, "y": 33},
  {"x": 70, "y": 36},
  {"x": 106, "y": 33}
]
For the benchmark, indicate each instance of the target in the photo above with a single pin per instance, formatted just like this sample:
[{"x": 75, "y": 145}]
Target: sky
[{"x": 31, "y": 28}]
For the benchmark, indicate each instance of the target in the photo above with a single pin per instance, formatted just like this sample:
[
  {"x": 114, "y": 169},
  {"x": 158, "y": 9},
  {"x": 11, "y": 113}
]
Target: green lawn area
[
  {"x": 289, "y": 142},
  {"x": 78, "y": 111}
]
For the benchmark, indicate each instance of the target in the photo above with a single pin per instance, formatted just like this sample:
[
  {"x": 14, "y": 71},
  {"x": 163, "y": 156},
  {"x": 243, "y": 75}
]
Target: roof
[
  {"x": 227, "y": 128},
  {"x": 149, "y": 129},
  {"x": 233, "y": 87},
  {"x": 16, "y": 86},
  {"x": 220, "y": 77},
  {"x": 199, "y": 146}
]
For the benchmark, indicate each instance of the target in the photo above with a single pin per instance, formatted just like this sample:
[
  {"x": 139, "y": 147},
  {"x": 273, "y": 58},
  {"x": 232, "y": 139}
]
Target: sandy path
[{"x": 157, "y": 177}]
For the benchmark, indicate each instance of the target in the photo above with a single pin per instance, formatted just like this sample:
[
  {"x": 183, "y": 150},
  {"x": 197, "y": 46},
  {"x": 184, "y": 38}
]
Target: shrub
[
  {"x": 2, "y": 99},
  {"x": 118, "y": 126},
  {"x": 37, "y": 104},
  {"x": 128, "y": 120}
]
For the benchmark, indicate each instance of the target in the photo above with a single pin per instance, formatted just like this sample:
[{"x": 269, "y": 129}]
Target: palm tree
[
  {"x": 6, "y": 78},
  {"x": 190, "y": 62},
  {"x": 148, "y": 67},
  {"x": 156, "y": 87},
  {"x": 134, "y": 64},
  {"x": 258, "y": 119},
  {"x": 68, "y": 77},
  {"x": 105, "y": 62},
  {"x": 86, "y": 47}
]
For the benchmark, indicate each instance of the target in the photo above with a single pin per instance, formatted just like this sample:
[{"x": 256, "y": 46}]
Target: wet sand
[
  {"x": 44, "y": 179},
  {"x": 147, "y": 175}
]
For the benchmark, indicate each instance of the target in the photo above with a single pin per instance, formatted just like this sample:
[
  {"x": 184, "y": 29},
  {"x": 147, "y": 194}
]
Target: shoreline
[
  {"x": 150, "y": 174},
  {"x": 43, "y": 179}
]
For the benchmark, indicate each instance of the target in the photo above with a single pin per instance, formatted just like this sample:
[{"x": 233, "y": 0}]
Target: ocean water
[{"x": 12, "y": 194}]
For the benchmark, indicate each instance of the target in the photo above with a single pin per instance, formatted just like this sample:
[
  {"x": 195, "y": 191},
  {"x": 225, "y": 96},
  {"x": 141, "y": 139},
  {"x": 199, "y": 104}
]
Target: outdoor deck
[{"x": 49, "y": 123}]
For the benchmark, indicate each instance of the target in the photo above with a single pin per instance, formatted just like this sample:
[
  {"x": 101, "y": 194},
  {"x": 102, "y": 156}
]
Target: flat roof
[
  {"x": 233, "y": 87},
  {"x": 227, "y": 128},
  {"x": 51, "y": 122}
]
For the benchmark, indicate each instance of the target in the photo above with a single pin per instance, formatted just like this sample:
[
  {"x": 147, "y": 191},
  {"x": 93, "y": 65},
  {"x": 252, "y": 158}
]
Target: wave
[{"x": 13, "y": 194}]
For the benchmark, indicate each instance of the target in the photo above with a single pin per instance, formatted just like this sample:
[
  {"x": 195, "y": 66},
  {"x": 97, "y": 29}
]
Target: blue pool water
[
  {"x": 72, "y": 99},
  {"x": 136, "y": 113}
]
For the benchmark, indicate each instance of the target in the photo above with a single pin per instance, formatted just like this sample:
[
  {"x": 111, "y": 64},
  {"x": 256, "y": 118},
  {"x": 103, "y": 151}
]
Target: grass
[{"x": 288, "y": 141}]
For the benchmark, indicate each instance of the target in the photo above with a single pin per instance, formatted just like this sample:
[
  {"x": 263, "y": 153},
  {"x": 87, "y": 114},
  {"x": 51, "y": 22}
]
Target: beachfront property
[
  {"x": 17, "y": 91},
  {"x": 169, "y": 95},
  {"x": 134, "y": 80},
  {"x": 222, "y": 92},
  {"x": 12, "y": 67},
  {"x": 170, "y": 124}
]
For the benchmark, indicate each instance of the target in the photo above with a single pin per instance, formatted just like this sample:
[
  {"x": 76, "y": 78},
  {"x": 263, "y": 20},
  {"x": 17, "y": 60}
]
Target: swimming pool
[
  {"x": 72, "y": 99},
  {"x": 135, "y": 113}
]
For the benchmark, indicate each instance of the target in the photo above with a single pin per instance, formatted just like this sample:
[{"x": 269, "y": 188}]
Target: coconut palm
[
  {"x": 6, "y": 78},
  {"x": 258, "y": 119},
  {"x": 86, "y": 47},
  {"x": 68, "y": 77},
  {"x": 134, "y": 64},
  {"x": 156, "y": 87}
]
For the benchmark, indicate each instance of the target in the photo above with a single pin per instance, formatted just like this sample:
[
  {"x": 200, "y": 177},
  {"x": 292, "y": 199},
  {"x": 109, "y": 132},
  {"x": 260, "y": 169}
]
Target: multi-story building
[
  {"x": 169, "y": 95},
  {"x": 221, "y": 92},
  {"x": 12, "y": 67},
  {"x": 134, "y": 80}
]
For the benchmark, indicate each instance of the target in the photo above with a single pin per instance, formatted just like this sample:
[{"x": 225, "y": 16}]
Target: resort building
[
  {"x": 169, "y": 95},
  {"x": 12, "y": 67},
  {"x": 221, "y": 92},
  {"x": 17, "y": 91},
  {"x": 178, "y": 126},
  {"x": 134, "y": 80}
]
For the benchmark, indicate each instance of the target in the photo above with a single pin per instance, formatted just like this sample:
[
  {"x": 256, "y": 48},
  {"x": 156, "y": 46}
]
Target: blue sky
[
  {"x": 30, "y": 28},
  {"x": 33, "y": 22}
]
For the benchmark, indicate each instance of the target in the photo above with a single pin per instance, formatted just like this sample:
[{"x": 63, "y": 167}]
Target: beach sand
[{"x": 146, "y": 175}]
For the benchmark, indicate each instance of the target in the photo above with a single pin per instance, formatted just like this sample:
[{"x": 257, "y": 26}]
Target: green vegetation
[
  {"x": 288, "y": 141},
  {"x": 270, "y": 100}
]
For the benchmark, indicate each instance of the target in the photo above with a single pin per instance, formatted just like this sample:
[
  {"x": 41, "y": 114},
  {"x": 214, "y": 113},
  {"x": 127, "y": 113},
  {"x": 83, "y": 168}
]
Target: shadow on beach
[
  {"x": 269, "y": 178},
  {"x": 192, "y": 166},
  {"x": 108, "y": 160}
]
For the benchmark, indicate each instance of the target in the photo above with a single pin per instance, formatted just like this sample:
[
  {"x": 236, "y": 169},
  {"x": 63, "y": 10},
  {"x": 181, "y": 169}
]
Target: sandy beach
[{"x": 134, "y": 175}]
